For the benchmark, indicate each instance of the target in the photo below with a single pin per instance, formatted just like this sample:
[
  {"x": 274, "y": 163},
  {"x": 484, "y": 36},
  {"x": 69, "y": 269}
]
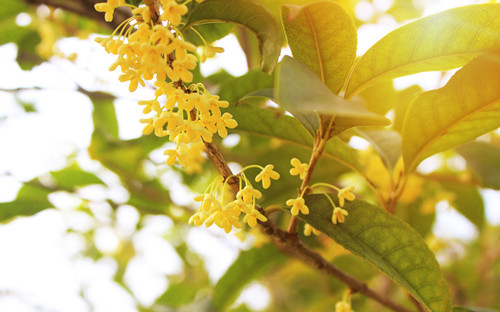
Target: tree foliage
[{"x": 295, "y": 119}]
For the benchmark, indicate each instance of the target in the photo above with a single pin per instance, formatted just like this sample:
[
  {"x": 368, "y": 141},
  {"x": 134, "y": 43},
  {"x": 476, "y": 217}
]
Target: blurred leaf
[
  {"x": 269, "y": 123},
  {"x": 464, "y": 309},
  {"x": 299, "y": 90},
  {"x": 323, "y": 37},
  {"x": 415, "y": 215},
  {"x": 386, "y": 242},
  {"x": 73, "y": 176},
  {"x": 380, "y": 98},
  {"x": 236, "y": 88},
  {"x": 178, "y": 295},
  {"x": 104, "y": 114},
  {"x": 386, "y": 142},
  {"x": 484, "y": 160},
  {"x": 442, "y": 41},
  {"x": 249, "y": 14},
  {"x": 466, "y": 107},
  {"x": 404, "y": 99},
  {"x": 403, "y": 10},
  {"x": 468, "y": 202},
  {"x": 31, "y": 199},
  {"x": 10, "y": 31},
  {"x": 250, "y": 265},
  {"x": 27, "y": 57},
  {"x": 10, "y": 8}
]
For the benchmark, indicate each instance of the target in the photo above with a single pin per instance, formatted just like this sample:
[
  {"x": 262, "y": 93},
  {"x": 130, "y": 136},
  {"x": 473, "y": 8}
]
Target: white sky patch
[
  {"x": 452, "y": 225},
  {"x": 233, "y": 60},
  {"x": 255, "y": 296}
]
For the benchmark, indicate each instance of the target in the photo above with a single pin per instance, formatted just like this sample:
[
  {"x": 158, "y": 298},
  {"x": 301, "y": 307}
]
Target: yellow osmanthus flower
[
  {"x": 309, "y": 229},
  {"x": 299, "y": 168},
  {"x": 218, "y": 206},
  {"x": 188, "y": 115},
  {"x": 345, "y": 304},
  {"x": 248, "y": 194},
  {"x": 266, "y": 175},
  {"x": 210, "y": 51},
  {"x": 339, "y": 215},
  {"x": 109, "y": 8},
  {"x": 344, "y": 194},
  {"x": 298, "y": 205}
]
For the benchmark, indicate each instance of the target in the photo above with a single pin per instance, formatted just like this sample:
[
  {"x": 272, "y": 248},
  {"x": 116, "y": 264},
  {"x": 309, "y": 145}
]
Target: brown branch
[{"x": 291, "y": 245}]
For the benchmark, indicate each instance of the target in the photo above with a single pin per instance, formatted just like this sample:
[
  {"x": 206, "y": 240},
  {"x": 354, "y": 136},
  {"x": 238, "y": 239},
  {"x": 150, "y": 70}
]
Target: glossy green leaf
[
  {"x": 441, "y": 41},
  {"x": 484, "y": 160},
  {"x": 299, "y": 90},
  {"x": 249, "y": 14},
  {"x": 210, "y": 32},
  {"x": 387, "y": 143},
  {"x": 235, "y": 89},
  {"x": 31, "y": 199},
  {"x": 269, "y": 123},
  {"x": 251, "y": 264},
  {"x": 73, "y": 176},
  {"x": 468, "y": 202},
  {"x": 388, "y": 243},
  {"x": 466, "y": 107},
  {"x": 322, "y": 36}
]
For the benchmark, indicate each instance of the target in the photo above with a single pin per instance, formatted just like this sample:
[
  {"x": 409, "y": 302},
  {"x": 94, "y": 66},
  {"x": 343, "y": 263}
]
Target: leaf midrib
[
  {"x": 316, "y": 44},
  {"x": 449, "y": 127},
  {"x": 369, "y": 81}
]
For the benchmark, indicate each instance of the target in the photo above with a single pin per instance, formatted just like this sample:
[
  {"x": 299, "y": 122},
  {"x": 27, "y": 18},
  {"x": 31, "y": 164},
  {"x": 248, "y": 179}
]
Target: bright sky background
[{"x": 38, "y": 270}]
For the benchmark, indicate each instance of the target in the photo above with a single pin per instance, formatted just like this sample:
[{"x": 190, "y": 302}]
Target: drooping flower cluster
[
  {"x": 156, "y": 51},
  {"x": 298, "y": 204},
  {"x": 220, "y": 207}
]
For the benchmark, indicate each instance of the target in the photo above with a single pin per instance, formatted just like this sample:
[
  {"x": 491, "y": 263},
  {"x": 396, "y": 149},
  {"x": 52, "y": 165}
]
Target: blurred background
[{"x": 92, "y": 219}]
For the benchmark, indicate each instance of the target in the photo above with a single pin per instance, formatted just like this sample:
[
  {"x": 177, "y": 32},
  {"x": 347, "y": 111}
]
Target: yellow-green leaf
[
  {"x": 300, "y": 91},
  {"x": 388, "y": 243},
  {"x": 467, "y": 107},
  {"x": 322, "y": 36},
  {"x": 249, "y": 14},
  {"x": 442, "y": 41}
]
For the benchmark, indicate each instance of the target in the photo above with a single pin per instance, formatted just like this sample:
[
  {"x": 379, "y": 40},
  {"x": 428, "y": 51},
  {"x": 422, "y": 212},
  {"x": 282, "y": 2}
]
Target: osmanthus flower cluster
[
  {"x": 156, "y": 51},
  {"x": 219, "y": 206},
  {"x": 298, "y": 204}
]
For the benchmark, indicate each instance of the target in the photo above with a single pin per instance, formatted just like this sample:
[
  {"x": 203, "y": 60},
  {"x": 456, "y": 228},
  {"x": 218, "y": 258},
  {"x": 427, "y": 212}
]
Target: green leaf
[
  {"x": 210, "y": 32},
  {"x": 299, "y": 91},
  {"x": 269, "y": 123},
  {"x": 249, "y": 14},
  {"x": 10, "y": 8},
  {"x": 464, "y": 309},
  {"x": 387, "y": 143},
  {"x": 484, "y": 160},
  {"x": 31, "y": 199},
  {"x": 104, "y": 114},
  {"x": 73, "y": 176},
  {"x": 322, "y": 36},
  {"x": 388, "y": 243},
  {"x": 235, "y": 89},
  {"x": 466, "y": 107},
  {"x": 251, "y": 264},
  {"x": 468, "y": 201},
  {"x": 414, "y": 214},
  {"x": 441, "y": 41}
]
